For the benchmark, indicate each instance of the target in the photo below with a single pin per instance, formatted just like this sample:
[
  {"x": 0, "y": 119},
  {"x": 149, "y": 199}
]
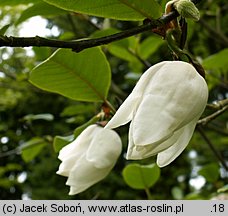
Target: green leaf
[
  {"x": 115, "y": 9},
  {"x": 4, "y": 29},
  {"x": 149, "y": 46},
  {"x": 217, "y": 61},
  {"x": 148, "y": 8},
  {"x": 126, "y": 50},
  {"x": 123, "y": 48},
  {"x": 60, "y": 142},
  {"x": 141, "y": 176},
  {"x": 39, "y": 9},
  {"x": 122, "y": 53},
  {"x": 210, "y": 172},
  {"x": 83, "y": 76},
  {"x": 30, "y": 149},
  {"x": 17, "y": 2}
]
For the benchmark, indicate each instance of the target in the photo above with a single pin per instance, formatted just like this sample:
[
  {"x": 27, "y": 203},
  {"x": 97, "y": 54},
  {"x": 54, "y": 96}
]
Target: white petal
[
  {"x": 175, "y": 96},
  {"x": 66, "y": 150},
  {"x": 74, "y": 190},
  {"x": 131, "y": 146},
  {"x": 146, "y": 77},
  {"x": 126, "y": 111},
  {"x": 138, "y": 152},
  {"x": 184, "y": 135},
  {"x": 152, "y": 123},
  {"x": 80, "y": 144},
  {"x": 73, "y": 151},
  {"x": 84, "y": 175},
  {"x": 66, "y": 166},
  {"x": 105, "y": 148}
]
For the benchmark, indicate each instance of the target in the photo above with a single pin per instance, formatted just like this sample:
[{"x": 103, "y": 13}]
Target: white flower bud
[
  {"x": 89, "y": 158},
  {"x": 163, "y": 109}
]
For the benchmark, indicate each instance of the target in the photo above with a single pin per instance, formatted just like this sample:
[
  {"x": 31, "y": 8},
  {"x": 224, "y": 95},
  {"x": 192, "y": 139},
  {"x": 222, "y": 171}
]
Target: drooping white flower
[
  {"x": 89, "y": 158},
  {"x": 163, "y": 108}
]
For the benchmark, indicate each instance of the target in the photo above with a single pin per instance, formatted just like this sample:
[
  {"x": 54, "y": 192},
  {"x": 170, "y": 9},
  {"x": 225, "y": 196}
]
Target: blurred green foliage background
[{"x": 30, "y": 118}]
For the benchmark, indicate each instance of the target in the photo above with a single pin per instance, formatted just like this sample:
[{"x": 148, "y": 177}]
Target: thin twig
[
  {"x": 214, "y": 115},
  {"x": 211, "y": 146},
  {"x": 218, "y": 104},
  {"x": 9, "y": 153},
  {"x": 87, "y": 43},
  {"x": 80, "y": 45}
]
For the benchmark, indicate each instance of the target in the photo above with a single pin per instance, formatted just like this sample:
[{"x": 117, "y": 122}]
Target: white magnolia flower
[
  {"x": 89, "y": 158},
  {"x": 163, "y": 109}
]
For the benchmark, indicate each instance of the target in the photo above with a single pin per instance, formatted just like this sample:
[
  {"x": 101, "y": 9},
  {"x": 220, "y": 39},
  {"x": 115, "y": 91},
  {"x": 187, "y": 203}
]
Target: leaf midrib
[{"x": 81, "y": 78}]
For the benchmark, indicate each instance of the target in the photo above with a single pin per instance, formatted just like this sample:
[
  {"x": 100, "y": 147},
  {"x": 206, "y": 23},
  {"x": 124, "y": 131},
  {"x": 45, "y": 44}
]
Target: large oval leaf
[
  {"x": 115, "y": 9},
  {"x": 83, "y": 76},
  {"x": 141, "y": 176}
]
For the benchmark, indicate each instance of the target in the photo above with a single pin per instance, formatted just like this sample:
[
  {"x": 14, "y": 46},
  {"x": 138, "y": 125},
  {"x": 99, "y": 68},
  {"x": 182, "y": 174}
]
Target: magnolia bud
[
  {"x": 89, "y": 158},
  {"x": 187, "y": 9}
]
